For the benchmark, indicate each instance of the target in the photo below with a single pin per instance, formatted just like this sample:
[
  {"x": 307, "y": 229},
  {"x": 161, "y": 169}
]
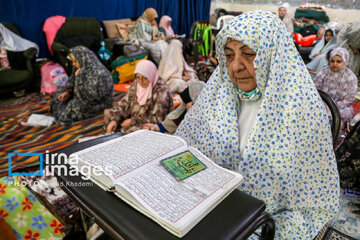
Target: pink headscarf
[
  {"x": 165, "y": 23},
  {"x": 149, "y": 70}
]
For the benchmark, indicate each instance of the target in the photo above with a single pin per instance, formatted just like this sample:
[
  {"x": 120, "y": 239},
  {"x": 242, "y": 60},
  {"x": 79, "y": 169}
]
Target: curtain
[{"x": 29, "y": 16}]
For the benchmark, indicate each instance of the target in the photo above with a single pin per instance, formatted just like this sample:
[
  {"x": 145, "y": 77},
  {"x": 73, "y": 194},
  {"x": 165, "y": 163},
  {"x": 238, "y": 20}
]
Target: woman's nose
[{"x": 238, "y": 63}]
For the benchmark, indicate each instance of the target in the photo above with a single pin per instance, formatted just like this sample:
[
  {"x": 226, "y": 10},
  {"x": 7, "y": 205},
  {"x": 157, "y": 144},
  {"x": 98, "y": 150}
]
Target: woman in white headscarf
[
  {"x": 261, "y": 115},
  {"x": 173, "y": 68},
  {"x": 318, "y": 53},
  {"x": 284, "y": 16}
]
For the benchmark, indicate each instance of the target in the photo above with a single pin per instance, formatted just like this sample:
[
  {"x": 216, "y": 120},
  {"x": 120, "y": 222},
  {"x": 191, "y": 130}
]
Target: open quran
[{"x": 160, "y": 176}]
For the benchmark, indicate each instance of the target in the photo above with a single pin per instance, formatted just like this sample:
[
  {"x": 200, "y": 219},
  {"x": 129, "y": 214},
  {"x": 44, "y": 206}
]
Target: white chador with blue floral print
[{"x": 288, "y": 159}]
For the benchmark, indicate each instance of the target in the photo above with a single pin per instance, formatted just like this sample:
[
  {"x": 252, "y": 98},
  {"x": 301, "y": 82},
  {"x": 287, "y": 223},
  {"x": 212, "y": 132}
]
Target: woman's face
[
  {"x": 75, "y": 62},
  {"x": 282, "y": 12},
  {"x": 142, "y": 80},
  {"x": 328, "y": 36},
  {"x": 337, "y": 63},
  {"x": 240, "y": 64},
  {"x": 151, "y": 18}
]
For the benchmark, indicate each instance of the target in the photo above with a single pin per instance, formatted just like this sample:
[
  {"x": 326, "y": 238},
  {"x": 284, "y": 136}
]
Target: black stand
[{"x": 237, "y": 217}]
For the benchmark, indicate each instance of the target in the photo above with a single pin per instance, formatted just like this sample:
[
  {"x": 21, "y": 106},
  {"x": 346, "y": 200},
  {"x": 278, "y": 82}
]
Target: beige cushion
[
  {"x": 111, "y": 29},
  {"x": 124, "y": 29}
]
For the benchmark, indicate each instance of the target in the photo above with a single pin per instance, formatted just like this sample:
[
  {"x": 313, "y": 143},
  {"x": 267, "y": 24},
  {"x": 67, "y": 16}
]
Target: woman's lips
[{"x": 242, "y": 79}]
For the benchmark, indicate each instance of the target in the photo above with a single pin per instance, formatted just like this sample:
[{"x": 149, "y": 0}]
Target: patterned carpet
[
  {"x": 28, "y": 139},
  {"x": 329, "y": 233},
  {"x": 347, "y": 222}
]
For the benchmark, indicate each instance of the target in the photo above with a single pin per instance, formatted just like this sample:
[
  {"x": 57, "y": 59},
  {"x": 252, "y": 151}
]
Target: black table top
[{"x": 119, "y": 220}]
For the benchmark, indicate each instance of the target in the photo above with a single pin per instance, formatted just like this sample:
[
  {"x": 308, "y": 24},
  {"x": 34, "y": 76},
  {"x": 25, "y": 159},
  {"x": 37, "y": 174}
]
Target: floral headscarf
[
  {"x": 93, "y": 81},
  {"x": 341, "y": 52},
  {"x": 288, "y": 161},
  {"x": 148, "y": 14},
  {"x": 340, "y": 86}
]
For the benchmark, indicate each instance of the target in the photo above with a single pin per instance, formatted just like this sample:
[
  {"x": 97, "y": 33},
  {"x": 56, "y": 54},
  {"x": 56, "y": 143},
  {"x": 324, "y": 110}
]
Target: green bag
[{"x": 123, "y": 68}]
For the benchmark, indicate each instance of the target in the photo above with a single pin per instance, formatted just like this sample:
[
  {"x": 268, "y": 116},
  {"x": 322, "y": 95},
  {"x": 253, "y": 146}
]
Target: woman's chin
[{"x": 246, "y": 87}]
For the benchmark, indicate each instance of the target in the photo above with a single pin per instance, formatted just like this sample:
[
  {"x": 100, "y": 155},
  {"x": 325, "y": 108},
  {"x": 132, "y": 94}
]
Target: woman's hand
[
  {"x": 126, "y": 123},
  {"x": 312, "y": 72},
  {"x": 317, "y": 54},
  {"x": 151, "y": 126},
  {"x": 77, "y": 71},
  {"x": 185, "y": 76},
  {"x": 111, "y": 127},
  {"x": 189, "y": 105},
  {"x": 64, "y": 96}
]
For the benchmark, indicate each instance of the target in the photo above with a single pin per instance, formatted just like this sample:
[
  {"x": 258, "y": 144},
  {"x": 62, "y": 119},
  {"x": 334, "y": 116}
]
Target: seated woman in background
[
  {"x": 318, "y": 54},
  {"x": 148, "y": 100},
  {"x": 285, "y": 17},
  {"x": 165, "y": 24},
  {"x": 340, "y": 83},
  {"x": 147, "y": 33},
  {"x": 173, "y": 119},
  {"x": 87, "y": 93},
  {"x": 173, "y": 68},
  {"x": 260, "y": 115}
]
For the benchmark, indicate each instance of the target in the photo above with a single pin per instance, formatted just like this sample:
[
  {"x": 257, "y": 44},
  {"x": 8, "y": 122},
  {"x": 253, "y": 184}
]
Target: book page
[
  {"x": 129, "y": 152},
  {"x": 179, "y": 204}
]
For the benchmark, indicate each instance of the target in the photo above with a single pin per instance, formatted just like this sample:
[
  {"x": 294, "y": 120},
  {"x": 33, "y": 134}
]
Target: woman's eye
[
  {"x": 249, "y": 55},
  {"x": 228, "y": 55}
]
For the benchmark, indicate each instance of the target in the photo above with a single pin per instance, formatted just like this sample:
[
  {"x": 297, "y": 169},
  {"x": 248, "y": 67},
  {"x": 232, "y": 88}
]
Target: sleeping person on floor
[{"x": 87, "y": 93}]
